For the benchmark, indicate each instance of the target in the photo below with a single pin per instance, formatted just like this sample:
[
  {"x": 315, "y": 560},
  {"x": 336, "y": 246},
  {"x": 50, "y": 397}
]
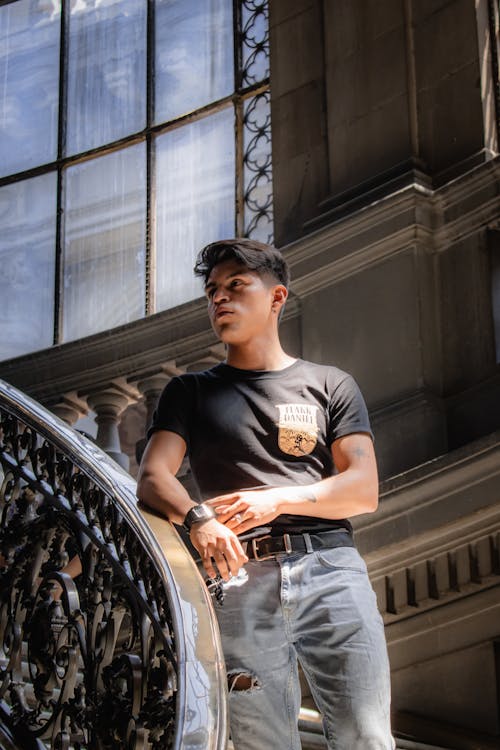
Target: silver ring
[{"x": 237, "y": 517}]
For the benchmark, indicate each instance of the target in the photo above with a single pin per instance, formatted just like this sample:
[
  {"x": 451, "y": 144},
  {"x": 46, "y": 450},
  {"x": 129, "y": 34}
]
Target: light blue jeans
[{"x": 319, "y": 609}]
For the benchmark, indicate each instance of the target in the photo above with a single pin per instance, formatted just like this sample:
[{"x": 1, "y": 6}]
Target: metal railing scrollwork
[{"x": 107, "y": 636}]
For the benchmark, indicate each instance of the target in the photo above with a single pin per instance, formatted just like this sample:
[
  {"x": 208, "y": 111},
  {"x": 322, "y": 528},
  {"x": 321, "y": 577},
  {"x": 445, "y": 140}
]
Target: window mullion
[
  {"x": 239, "y": 164},
  {"x": 150, "y": 255},
  {"x": 61, "y": 143}
]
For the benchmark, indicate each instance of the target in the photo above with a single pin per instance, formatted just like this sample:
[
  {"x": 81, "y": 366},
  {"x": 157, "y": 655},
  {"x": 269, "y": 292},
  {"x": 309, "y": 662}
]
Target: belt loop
[
  {"x": 288, "y": 543},
  {"x": 308, "y": 543}
]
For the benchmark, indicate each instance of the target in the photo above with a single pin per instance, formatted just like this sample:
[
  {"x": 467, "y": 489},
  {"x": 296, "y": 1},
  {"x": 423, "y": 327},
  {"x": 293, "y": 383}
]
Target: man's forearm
[
  {"x": 166, "y": 495},
  {"x": 340, "y": 496}
]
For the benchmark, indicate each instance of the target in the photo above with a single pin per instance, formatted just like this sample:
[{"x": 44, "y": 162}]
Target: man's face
[{"x": 240, "y": 302}]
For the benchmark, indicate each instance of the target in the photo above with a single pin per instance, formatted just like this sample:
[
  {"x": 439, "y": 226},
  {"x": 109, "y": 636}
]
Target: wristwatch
[{"x": 196, "y": 514}]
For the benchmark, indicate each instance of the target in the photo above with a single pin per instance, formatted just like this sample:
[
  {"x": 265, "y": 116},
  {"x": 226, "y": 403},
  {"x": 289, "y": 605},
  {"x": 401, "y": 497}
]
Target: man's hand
[
  {"x": 217, "y": 543},
  {"x": 242, "y": 511}
]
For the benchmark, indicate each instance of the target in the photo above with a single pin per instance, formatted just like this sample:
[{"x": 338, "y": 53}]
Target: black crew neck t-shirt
[{"x": 246, "y": 429}]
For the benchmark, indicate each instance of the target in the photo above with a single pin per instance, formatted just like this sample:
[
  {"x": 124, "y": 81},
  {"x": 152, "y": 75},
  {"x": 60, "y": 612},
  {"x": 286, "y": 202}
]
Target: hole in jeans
[{"x": 242, "y": 681}]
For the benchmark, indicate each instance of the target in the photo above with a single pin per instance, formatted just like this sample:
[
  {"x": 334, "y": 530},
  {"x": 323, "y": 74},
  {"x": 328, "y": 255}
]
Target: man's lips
[{"x": 221, "y": 312}]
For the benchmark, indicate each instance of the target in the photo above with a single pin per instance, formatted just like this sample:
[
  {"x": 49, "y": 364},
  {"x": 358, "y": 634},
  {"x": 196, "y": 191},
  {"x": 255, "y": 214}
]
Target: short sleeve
[
  {"x": 347, "y": 411},
  {"x": 173, "y": 410}
]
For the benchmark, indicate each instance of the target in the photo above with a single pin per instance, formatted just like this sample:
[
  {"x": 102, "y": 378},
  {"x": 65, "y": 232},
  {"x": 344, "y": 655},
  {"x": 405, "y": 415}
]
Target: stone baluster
[
  {"x": 69, "y": 408},
  {"x": 108, "y": 403},
  {"x": 150, "y": 387}
]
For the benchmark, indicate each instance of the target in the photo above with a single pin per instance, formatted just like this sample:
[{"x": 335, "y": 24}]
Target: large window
[{"x": 132, "y": 132}]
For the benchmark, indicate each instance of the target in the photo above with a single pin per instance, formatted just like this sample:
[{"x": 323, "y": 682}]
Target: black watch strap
[{"x": 197, "y": 514}]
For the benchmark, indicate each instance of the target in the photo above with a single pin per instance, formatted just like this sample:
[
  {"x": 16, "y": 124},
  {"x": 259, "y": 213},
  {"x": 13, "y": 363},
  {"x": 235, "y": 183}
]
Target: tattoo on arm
[
  {"x": 358, "y": 451},
  {"x": 308, "y": 495}
]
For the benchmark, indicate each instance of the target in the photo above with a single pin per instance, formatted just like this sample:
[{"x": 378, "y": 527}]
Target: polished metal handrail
[{"x": 107, "y": 633}]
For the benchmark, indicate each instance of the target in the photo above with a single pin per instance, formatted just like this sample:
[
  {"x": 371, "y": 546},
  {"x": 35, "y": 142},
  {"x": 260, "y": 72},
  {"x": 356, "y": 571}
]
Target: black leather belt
[{"x": 265, "y": 547}]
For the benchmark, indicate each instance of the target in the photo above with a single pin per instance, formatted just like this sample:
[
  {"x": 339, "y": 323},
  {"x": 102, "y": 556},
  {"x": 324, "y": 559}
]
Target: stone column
[{"x": 108, "y": 403}]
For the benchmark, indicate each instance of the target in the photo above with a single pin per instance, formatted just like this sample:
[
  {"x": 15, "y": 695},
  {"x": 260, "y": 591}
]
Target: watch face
[{"x": 198, "y": 513}]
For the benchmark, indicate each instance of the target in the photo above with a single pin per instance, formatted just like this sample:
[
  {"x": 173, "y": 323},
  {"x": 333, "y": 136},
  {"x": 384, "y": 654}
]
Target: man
[{"x": 282, "y": 452}]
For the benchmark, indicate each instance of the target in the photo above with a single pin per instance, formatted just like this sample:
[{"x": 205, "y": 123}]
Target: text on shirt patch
[{"x": 297, "y": 428}]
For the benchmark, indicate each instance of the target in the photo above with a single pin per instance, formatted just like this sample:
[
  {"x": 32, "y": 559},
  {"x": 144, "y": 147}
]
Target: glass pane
[
  {"x": 254, "y": 41},
  {"x": 105, "y": 230},
  {"x": 106, "y": 72},
  {"x": 29, "y": 84},
  {"x": 194, "y": 55},
  {"x": 195, "y": 194},
  {"x": 258, "y": 175},
  {"x": 27, "y": 259}
]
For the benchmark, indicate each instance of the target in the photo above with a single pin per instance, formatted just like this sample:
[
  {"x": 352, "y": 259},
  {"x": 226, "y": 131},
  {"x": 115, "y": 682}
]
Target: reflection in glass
[
  {"x": 195, "y": 195},
  {"x": 27, "y": 259},
  {"x": 194, "y": 55},
  {"x": 258, "y": 176},
  {"x": 106, "y": 72},
  {"x": 104, "y": 254},
  {"x": 29, "y": 84}
]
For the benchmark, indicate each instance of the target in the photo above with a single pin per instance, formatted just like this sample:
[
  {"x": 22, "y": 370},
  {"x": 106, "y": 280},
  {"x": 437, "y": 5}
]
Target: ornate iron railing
[{"x": 107, "y": 635}]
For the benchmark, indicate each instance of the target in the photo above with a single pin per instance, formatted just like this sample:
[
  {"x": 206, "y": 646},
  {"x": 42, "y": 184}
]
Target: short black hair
[{"x": 257, "y": 256}]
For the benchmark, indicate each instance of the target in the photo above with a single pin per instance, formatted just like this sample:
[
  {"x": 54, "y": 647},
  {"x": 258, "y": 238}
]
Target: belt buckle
[
  {"x": 257, "y": 556},
  {"x": 254, "y": 548}
]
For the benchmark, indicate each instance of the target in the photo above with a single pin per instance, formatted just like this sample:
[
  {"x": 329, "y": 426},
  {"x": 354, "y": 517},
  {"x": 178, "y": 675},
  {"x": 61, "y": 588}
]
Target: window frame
[{"x": 245, "y": 13}]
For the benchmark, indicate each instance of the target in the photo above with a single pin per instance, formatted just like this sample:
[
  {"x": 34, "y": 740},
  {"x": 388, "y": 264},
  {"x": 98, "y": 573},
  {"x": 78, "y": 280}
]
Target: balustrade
[{"x": 107, "y": 635}]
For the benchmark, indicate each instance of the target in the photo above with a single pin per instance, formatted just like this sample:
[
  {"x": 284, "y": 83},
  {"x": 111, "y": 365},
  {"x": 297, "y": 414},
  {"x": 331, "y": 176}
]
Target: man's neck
[{"x": 258, "y": 358}]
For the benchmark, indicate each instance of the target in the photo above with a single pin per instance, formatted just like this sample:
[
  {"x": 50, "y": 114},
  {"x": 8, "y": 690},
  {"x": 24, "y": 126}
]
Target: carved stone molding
[
  {"x": 412, "y": 216},
  {"x": 436, "y": 535},
  {"x": 463, "y": 569},
  {"x": 462, "y": 487}
]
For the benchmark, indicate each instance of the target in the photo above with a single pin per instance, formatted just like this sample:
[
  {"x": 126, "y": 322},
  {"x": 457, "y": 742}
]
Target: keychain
[{"x": 214, "y": 585}]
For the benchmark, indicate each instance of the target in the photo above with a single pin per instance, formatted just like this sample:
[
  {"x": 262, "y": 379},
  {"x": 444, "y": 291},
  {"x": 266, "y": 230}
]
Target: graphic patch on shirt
[{"x": 297, "y": 428}]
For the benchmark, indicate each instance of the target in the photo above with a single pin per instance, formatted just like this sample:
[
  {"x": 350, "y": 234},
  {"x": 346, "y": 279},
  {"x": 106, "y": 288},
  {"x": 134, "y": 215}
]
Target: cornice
[
  {"x": 130, "y": 351},
  {"x": 445, "y": 482},
  {"x": 469, "y": 204},
  {"x": 368, "y": 236},
  {"x": 414, "y": 215},
  {"x": 87, "y": 362},
  {"x": 326, "y": 274}
]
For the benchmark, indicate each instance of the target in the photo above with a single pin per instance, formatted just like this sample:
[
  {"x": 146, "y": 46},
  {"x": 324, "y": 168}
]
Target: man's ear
[{"x": 280, "y": 295}]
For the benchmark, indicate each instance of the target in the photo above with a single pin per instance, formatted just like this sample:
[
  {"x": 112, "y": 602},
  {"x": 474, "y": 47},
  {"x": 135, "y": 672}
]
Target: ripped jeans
[{"x": 319, "y": 609}]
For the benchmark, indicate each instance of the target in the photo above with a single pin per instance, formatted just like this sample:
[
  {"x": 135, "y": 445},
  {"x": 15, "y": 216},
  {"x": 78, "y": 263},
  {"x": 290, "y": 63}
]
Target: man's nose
[{"x": 220, "y": 295}]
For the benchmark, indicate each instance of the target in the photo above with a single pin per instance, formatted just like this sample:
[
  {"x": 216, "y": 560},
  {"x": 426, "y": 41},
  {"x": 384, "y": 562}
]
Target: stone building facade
[{"x": 386, "y": 175}]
